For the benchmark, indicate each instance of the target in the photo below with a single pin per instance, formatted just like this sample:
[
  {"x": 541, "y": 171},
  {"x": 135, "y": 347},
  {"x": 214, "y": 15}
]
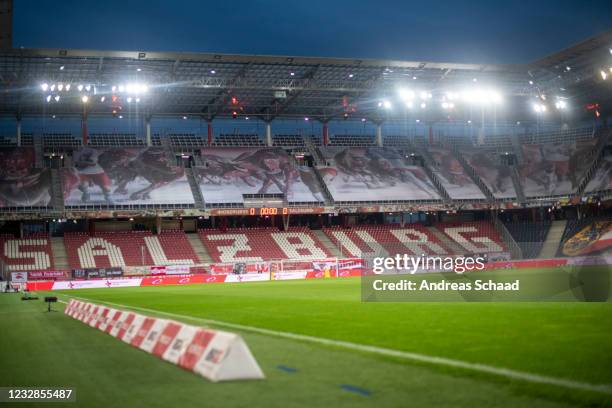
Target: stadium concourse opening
[{"x": 346, "y": 231}]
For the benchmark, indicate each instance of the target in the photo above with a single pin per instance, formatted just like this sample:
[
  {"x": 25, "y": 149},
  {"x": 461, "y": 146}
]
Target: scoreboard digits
[{"x": 268, "y": 211}]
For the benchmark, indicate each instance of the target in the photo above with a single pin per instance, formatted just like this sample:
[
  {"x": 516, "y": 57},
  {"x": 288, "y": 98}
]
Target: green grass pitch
[{"x": 571, "y": 341}]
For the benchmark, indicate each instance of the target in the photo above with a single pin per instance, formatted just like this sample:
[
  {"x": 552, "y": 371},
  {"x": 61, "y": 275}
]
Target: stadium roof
[{"x": 220, "y": 85}]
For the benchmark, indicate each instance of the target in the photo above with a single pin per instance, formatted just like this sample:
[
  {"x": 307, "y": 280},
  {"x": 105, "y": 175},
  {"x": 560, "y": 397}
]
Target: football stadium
[{"x": 230, "y": 229}]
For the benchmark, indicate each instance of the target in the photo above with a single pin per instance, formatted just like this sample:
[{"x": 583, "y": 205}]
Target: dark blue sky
[{"x": 456, "y": 31}]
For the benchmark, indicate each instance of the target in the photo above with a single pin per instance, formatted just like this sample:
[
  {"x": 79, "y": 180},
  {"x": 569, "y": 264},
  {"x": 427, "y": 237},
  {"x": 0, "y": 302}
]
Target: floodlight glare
[
  {"x": 539, "y": 108},
  {"x": 387, "y": 104},
  {"x": 135, "y": 88},
  {"x": 80, "y": 87},
  {"x": 409, "y": 105},
  {"x": 102, "y": 99},
  {"x": 129, "y": 100},
  {"x": 604, "y": 76},
  {"x": 44, "y": 87},
  {"x": 52, "y": 87},
  {"x": 405, "y": 94},
  {"x": 48, "y": 98},
  {"x": 423, "y": 105},
  {"x": 560, "y": 104},
  {"x": 88, "y": 88},
  {"x": 85, "y": 98},
  {"x": 57, "y": 98},
  {"x": 60, "y": 87},
  {"x": 67, "y": 87}
]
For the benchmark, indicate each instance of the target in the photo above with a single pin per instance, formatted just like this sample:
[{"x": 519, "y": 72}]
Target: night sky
[{"x": 454, "y": 31}]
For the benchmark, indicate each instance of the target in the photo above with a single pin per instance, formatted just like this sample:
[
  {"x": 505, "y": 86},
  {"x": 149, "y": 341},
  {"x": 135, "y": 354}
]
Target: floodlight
[
  {"x": 114, "y": 88},
  {"x": 80, "y": 87},
  {"x": 121, "y": 88},
  {"x": 539, "y": 108},
  {"x": 52, "y": 87},
  {"x": 84, "y": 98},
  {"x": 560, "y": 104},
  {"x": 88, "y": 88},
  {"x": 129, "y": 99},
  {"x": 387, "y": 105},
  {"x": 60, "y": 87},
  {"x": 604, "y": 76},
  {"x": 405, "y": 94},
  {"x": 48, "y": 98},
  {"x": 67, "y": 87},
  {"x": 306, "y": 119},
  {"x": 423, "y": 105},
  {"x": 102, "y": 99},
  {"x": 409, "y": 105},
  {"x": 137, "y": 100},
  {"x": 44, "y": 87},
  {"x": 57, "y": 98}
]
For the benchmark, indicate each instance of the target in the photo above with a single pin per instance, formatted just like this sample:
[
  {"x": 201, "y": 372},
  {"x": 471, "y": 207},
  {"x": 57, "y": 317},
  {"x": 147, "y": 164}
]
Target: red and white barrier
[{"x": 215, "y": 355}]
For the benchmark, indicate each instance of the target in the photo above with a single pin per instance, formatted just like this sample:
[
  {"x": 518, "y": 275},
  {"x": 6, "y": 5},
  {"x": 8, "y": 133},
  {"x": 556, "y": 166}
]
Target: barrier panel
[{"x": 213, "y": 354}]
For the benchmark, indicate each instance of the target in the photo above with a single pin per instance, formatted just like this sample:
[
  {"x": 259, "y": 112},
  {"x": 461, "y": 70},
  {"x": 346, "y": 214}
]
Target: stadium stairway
[
  {"x": 553, "y": 238},
  {"x": 472, "y": 174},
  {"x": 446, "y": 241},
  {"x": 428, "y": 165},
  {"x": 322, "y": 236},
  {"x": 195, "y": 188},
  {"x": 199, "y": 249},
  {"x": 596, "y": 156},
  {"x": 57, "y": 191},
  {"x": 516, "y": 182},
  {"x": 511, "y": 244},
  {"x": 60, "y": 257}
]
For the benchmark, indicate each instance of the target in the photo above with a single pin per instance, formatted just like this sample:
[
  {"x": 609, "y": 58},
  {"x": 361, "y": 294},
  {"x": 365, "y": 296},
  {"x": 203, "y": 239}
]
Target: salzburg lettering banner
[{"x": 213, "y": 354}]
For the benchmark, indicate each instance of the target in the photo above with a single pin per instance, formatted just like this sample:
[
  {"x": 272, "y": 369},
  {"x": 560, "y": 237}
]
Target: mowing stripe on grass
[{"x": 406, "y": 355}]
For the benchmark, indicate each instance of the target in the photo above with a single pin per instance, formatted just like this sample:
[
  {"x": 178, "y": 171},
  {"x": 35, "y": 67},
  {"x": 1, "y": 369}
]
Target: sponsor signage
[
  {"x": 89, "y": 273},
  {"x": 46, "y": 275},
  {"x": 215, "y": 355},
  {"x": 19, "y": 277}
]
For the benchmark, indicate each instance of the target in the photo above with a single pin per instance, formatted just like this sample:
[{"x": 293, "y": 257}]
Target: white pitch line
[{"x": 406, "y": 355}]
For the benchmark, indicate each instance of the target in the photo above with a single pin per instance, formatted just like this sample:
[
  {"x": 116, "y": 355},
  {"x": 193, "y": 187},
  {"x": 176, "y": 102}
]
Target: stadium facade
[{"x": 297, "y": 158}]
